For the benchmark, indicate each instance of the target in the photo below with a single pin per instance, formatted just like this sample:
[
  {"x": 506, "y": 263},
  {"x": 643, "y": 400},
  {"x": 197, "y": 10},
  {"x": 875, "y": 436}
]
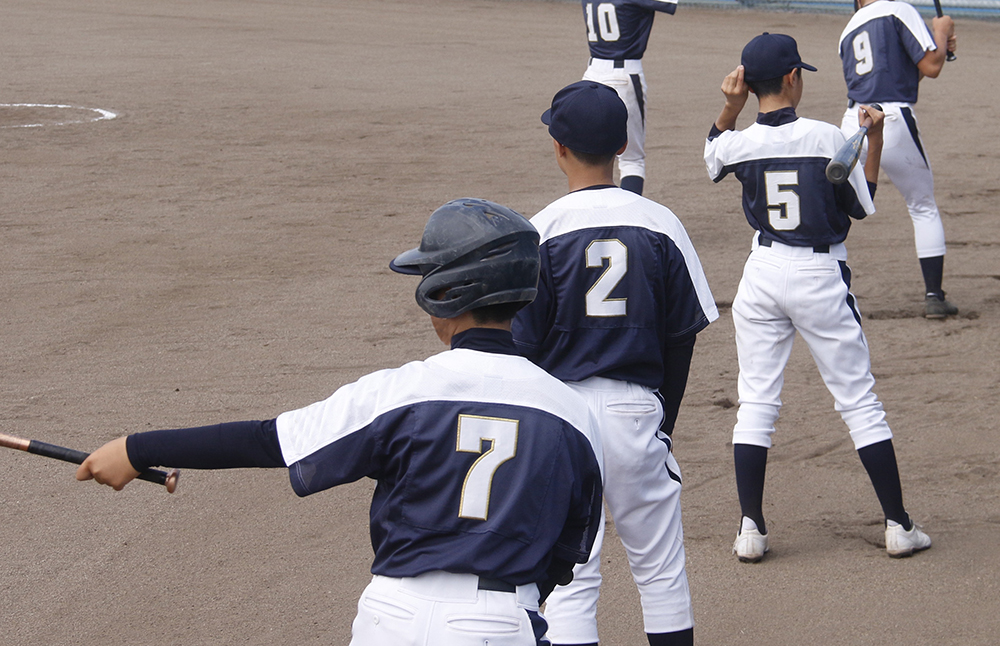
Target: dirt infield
[{"x": 218, "y": 251}]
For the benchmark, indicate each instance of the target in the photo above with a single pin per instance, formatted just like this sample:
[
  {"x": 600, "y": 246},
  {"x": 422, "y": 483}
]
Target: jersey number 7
[{"x": 472, "y": 432}]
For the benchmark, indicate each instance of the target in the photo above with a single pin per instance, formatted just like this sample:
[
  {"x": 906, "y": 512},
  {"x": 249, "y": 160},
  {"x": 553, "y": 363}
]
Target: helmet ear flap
[{"x": 474, "y": 253}]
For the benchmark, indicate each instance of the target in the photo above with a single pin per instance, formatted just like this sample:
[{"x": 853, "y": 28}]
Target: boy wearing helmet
[{"x": 488, "y": 469}]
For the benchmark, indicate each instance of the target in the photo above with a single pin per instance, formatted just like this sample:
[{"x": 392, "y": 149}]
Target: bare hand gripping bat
[
  {"x": 166, "y": 478},
  {"x": 842, "y": 163}
]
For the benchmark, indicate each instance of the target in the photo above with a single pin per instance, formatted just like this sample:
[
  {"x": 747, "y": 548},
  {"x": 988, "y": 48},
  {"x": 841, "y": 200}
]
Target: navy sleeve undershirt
[
  {"x": 676, "y": 365},
  {"x": 222, "y": 446}
]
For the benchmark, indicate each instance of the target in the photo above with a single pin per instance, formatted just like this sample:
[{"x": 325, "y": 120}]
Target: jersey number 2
[
  {"x": 605, "y": 20},
  {"x": 782, "y": 200},
  {"x": 597, "y": 301},
  {"x": 472, "y": 432}
]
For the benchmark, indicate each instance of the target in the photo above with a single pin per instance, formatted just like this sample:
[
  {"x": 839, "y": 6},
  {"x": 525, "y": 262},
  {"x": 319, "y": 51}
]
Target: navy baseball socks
[
  {"x": 633, "y": 183},
  {"x": 902, "y": 536},
  {"x": 751, "y": 467},
  {"x": 935, "y": 305}
]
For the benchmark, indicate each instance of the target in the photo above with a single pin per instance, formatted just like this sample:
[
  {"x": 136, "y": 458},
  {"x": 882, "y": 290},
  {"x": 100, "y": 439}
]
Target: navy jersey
[
  {"x": 880, "y": 48},
  {"x": 484, "y": 464},
  {"x": 619, "y": 29},
  {"x": 781, "y": 161},
  {"x": 620, "y": 282}
]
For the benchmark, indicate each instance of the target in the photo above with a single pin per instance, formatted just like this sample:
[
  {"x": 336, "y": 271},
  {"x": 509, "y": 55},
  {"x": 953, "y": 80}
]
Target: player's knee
[{"x": 755, "y": 424}]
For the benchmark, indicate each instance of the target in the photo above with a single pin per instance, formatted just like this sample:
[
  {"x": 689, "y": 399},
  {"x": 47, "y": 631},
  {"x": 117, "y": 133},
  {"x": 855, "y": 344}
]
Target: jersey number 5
[
  {"x": 782, "y": 200},
  {"x": 605, "y": 19},
  {"x": 472, "y": 432}
]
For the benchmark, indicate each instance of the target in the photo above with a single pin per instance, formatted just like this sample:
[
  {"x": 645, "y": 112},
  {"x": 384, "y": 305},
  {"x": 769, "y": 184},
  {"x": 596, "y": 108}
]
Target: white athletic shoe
[
  {"x": 750, "y": 545},
  {"x": 900, "y": 543}
]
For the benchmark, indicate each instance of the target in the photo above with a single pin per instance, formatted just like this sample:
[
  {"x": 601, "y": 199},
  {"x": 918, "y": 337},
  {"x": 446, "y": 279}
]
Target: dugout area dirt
[{"x": 219, "y": 252}]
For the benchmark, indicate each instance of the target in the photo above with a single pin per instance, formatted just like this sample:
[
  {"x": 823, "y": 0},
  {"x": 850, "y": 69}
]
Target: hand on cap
[{"x": 735, "y": 89}]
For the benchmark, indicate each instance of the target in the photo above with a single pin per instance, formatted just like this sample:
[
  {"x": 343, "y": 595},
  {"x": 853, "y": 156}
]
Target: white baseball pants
[
  {"x": 642, "y": 490},
  {"x": 785, "y": 290},
  {"x": 629, "y": 82},
  {"x": 443, "y": 609},
  {"x": 906, "y": 165}
]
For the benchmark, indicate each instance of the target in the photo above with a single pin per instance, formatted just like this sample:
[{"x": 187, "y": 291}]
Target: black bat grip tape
[{"x": 77, "y": 457}]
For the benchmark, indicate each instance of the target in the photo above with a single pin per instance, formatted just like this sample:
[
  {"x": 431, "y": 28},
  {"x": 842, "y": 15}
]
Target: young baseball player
[
  {"x": 797, "y": 280},
  {"x": 621, "y": 297},
  {"x": 487, "y": 468},
  {"x": 886, "y": 49},
  {"x": 617, "y": 33}
]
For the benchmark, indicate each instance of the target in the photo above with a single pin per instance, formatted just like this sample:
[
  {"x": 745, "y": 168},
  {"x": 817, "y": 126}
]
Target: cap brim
[
  {"x": 405, "y": 263},
  {"x": 547, "y": 117},
  {"x": 807, "y": 66}
]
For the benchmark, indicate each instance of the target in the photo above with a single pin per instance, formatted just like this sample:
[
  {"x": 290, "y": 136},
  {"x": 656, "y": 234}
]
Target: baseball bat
[
  {"x": 950, "y": 56},
  {"x": 840, "y": 166},
  {"x": 166, "y": 478}
]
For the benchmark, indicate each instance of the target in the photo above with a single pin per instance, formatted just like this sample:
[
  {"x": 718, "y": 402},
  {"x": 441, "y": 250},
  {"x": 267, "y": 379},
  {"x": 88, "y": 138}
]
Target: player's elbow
[{"x": 931, "y": 64}]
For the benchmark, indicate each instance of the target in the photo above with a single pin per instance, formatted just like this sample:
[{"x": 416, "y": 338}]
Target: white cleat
[
  {"x": 750, "y": 545},
  {"x": 900, "y": 543}
]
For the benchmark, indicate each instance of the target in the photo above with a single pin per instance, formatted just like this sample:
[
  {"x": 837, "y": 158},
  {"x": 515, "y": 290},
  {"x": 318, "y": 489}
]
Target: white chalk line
[{"x": 101, "y": 114}]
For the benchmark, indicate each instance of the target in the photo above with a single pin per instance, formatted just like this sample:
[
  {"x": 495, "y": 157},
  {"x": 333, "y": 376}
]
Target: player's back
[
  {"x": 620, "y": 281},
  {"x": 480, "y": 458},
  {"x": 880, "y": 48},
  {"x": 781, "y": 161},
  {"x": 619, "y": 29}
]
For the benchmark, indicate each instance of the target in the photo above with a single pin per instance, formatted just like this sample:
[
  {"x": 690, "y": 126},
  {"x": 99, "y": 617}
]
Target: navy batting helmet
[{"x": 473, "y": 253}]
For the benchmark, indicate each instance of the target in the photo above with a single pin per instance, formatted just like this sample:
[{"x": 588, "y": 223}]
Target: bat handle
[{"x": 166, "y": 478}]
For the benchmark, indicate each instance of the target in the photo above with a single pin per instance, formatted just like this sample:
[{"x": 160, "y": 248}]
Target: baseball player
[
  {"x": 621, "y": 297},
  {"x": 886, "y": 49},
  {"x": 617, "y": 33},
  {"x": 797, "y": 280},
  {"x": 487, "y": 468}
]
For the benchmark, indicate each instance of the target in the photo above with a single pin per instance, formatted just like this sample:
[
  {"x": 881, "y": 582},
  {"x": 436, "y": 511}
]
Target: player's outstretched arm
[
  {"x": 932, "y": 63},
  {"x": 109, "y": 465},
  {"x": 736, "y": 91},
  {"x": 874, "y": 158}
]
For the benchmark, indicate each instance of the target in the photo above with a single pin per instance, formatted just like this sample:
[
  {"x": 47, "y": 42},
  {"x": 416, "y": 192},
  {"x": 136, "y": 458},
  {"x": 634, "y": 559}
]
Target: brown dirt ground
[{"x": 218, "y": 252}]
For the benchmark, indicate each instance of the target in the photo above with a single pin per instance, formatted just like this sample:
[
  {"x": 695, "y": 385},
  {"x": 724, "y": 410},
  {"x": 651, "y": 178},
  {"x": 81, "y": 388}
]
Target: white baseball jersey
[
  {"x": 487, "y": 468},
  {"x": 880, "y": 48},
  {"x": 485, "y": 464}
]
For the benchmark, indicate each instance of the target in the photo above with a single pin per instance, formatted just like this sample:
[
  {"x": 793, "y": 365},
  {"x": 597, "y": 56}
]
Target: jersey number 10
[{"x": 603, "y": 20}]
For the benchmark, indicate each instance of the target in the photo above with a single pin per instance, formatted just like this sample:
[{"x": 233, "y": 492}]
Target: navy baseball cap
[
  {"x": 588, "y": 117},
  {"x": 769, "y": 56}
]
